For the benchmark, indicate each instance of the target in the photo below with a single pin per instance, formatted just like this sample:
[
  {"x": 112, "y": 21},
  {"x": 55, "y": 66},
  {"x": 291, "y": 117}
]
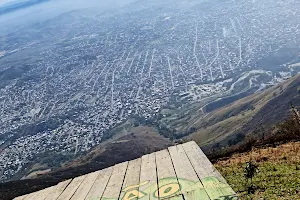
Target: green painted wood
[
  {"x": 215, "y": 185},
  {"x": 148, "y": 177},
  {"x": 191, "y": 186},
  {"x": 132, "y": 180},
  {"x": 168, "y": 185}
]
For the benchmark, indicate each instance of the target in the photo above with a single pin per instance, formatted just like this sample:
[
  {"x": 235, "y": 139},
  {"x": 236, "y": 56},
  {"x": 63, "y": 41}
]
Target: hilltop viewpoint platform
[{"x": 181, "y": 172}]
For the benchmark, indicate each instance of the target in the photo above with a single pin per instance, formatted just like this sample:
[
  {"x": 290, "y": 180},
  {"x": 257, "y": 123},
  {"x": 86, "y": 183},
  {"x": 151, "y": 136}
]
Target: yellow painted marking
[
  {"x": 136, "y": 186},
  {"x": 167, "y": 190},
  {"x": 133, "y": 194}
]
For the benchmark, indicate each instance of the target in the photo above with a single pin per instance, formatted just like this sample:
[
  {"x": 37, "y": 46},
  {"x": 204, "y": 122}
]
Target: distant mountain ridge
[{"x": 11, "y": 7}]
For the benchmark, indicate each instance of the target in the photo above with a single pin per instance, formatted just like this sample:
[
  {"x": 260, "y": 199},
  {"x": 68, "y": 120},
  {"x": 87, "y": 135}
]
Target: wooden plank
[
  {"x": 58, "y": 190},
  {"x": 99, "y": 184},
  {"x": 113, "y": 188},
  {"x": 85, "y": 187},
  {"x": 198, "y": 158},
  {"x": 148, "y": 175},
  {"x": 43, "y": 193},
  {"x": 181, "y": 172},
  {"x": 168, "y": 185},
  {"x": 20, "y": 197},
  {"x": 71, "y": 189},
  {"x": 31, "y": 195},
  {"x": 191, "y": 187},
  {"x": 130, "y": 188},
  {"x": 215, "y": 185}
]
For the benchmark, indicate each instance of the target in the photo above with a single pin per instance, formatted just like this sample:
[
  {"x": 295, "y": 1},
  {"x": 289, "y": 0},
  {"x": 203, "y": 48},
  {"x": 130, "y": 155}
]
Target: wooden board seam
[
  {"x": 123, "y": 180},
  {"x": 141, "y": 170},
  {"x": 181, "y": 193},
  {"x": 94, "y": 184},
  {"x": 195, "y": 171},
  {"x": 78, "y": 186},
  {"x": 157, "y": 179},
  {"x": 107, "y": 183},
  {"x": 110, "y": 174},
  {"x": 66, "y": 187}
]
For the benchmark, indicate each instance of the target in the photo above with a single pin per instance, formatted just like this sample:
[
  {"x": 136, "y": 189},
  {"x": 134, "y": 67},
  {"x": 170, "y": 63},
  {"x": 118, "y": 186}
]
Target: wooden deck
[{"x": 181, "y": 172}]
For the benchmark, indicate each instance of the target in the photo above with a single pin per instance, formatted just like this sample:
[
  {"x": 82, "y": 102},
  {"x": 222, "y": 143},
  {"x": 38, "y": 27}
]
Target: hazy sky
[{"x": 40, "y": 12}]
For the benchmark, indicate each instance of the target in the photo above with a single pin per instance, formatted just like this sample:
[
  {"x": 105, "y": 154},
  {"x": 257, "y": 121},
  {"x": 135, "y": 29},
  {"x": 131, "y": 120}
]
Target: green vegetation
[
  {"x": 278, "y": 175},
  {"x": 268, "y": 165}
]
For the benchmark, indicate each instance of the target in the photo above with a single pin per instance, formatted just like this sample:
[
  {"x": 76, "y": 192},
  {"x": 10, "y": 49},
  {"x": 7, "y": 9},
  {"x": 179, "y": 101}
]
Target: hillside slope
[{"x": 245, "y": 115}]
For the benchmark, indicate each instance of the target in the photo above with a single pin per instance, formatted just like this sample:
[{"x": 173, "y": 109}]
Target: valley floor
[{"x": 278, "y": 174}]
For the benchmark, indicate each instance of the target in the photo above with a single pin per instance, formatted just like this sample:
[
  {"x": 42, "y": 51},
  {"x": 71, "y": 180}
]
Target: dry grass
[{"x": 278, "y": 176}]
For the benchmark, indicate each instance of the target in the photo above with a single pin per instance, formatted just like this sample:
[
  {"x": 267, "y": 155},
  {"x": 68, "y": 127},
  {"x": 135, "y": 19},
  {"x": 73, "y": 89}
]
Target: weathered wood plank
[
  {"x": 31, "y": 195},
  {"x": 21, "y": 197},
  {"x": 198, "y": 158},
  {"x": 191, "y": 187},
  {"x": 99, "y": 184},
  {"x": 71, "y": 189},
  {"x": 215, "y": 185},
  {"x": 113, "y": 188},
  {"x": 85, "y": 186},
  {"x": 148, "y": 177},
  {"x": 44, "y": 193},
  {"x": 181, "y": 172},
  {"x": 58, "y": 190},
  {"x": 131, "y": 182},
  {"x": 168, "y": 185}
]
